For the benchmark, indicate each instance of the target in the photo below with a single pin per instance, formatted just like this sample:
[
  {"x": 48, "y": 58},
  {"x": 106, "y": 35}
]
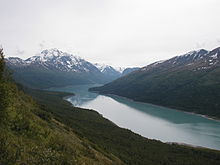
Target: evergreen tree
[
  {"x": 2, "y": 64},
  {"x": 2, "y": 88}
]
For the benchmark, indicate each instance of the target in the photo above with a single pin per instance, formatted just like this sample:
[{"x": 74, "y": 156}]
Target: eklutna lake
[{"x": 151, "y": 121}]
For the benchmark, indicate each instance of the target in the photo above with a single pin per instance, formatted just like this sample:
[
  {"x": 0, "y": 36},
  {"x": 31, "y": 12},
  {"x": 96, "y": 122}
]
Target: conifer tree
[{"x": 2, "y": 63}]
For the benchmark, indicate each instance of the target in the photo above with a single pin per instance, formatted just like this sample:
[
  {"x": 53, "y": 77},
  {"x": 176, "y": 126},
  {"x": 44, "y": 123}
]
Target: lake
[{"x": 151, "y": 121}]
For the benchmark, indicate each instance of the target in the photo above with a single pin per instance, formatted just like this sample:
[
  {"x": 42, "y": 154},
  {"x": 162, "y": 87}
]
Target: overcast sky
[{"x": 116, "y": 32}]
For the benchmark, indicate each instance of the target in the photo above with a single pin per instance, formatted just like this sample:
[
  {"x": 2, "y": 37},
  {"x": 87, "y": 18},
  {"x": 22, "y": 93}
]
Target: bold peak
[
  {"x": 215, "y": 53},
  {"x": 196, "y": 52},
  {"x": 56, "y": 53},
  {"x": 102, "y": 67},
  {"x": 15, "y": 59},
  {"x": 98, "y": 65},
  {"x": 216, "y": 50},
  {"x": 202, "y": 51},
  {"x": 120, "y": 69},
  {"x": 53, "y": 52}
]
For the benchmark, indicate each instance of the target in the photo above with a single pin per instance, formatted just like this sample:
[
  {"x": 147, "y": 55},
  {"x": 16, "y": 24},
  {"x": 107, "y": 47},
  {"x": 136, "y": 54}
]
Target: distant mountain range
[
  {"x": 109, "y": 71},
  {"x": 189, "y": 82},
  {"x": 56, "y": 68}
]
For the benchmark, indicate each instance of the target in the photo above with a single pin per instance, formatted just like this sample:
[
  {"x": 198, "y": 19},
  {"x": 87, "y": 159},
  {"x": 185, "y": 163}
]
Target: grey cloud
[{"x": 119, "y": 32}]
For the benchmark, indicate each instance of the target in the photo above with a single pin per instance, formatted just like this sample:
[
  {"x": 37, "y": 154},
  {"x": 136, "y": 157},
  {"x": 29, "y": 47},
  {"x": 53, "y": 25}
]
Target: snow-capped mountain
[
  {"x": 120, "y": 69},
  {"x": 56, "y": 68},
  {"x": 104, "y": 68},
  {"x": 197, "y": 60},
  {"x": 56, "y": 60},
  {"x": 53, "y": 67},
  {"x": 16, "y": 61},
  {"x": 108, "y": 70},
  {"x": 115, "y": 71}
]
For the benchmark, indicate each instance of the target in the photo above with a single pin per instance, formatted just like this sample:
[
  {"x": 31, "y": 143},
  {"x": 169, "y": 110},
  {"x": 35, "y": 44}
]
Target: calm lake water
[{"x": 148, "y": 120}]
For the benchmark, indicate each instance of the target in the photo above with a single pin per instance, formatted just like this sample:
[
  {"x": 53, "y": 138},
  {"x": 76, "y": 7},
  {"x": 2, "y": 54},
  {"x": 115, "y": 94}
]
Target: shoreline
[
  {"x": 166, "y": 142},
  {"x": 193, "y": 113},
  {"x": 190, "y": 145}
]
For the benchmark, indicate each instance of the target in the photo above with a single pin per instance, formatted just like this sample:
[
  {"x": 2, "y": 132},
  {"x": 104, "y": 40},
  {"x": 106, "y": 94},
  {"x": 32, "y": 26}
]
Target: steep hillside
[
  {"x": 32, "y": 135},
  {"x": 190, "y": 82}
]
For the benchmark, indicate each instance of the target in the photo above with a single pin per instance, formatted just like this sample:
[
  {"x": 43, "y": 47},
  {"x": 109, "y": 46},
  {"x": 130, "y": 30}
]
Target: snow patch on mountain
[
  {"x": 56, "y": 59},
  {"x": 107, "y": 69},
  {"x": 120, "y": 69},
  {"x": 101, "y": 67},
  {"x": 201, "y": 59},
  {"x": 215, "y": 56}
]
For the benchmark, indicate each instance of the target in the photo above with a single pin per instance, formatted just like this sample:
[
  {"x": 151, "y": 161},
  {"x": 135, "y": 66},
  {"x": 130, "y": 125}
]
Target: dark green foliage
[
  {"x": 2, "y": 63},
  {"x": 43, "y": 78},
  {"x": 131, "y": 148},
  {"x": 40, "y": 77}
]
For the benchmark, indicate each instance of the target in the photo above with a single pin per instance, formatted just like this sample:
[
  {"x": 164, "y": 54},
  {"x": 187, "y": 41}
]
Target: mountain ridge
[
  {"x": 189, "y": 82},
  {"x": 53, "y": 67}
]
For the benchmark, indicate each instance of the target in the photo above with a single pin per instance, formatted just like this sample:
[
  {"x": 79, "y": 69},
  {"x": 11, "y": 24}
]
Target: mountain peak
[
  {"x": 49, "y": 52},
  {"x": 215, "y": 51},
  {"x": 120, "y": 69},
  {"x": 54, "y": 52},
  {"x": 188, "y": 57},
  {"x": 195, "y": 53},
  {"x": 54, "y": 55},
  {"x": 15, "y": 61},
  {"x": 102, "y": 67}
]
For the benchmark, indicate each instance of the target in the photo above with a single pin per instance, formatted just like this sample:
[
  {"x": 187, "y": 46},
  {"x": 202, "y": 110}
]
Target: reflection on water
[
  {"x": 81, "y": 93},
  {"x": 174, "y": 116},
  {"x": 149, "y": 120}
]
